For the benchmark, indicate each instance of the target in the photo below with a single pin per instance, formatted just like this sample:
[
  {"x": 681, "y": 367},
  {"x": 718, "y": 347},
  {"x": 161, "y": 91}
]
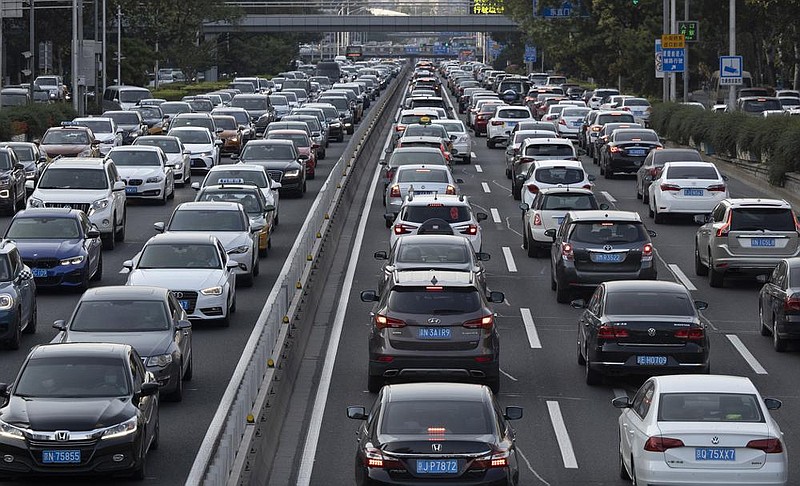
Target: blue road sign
[
  {"x": 530, "y": 53},
  {"x": 730, "y": 70},
  {"x": 673, "y": 60},
  {"x": 412, "y": 49},
  {"x": 565, "y": 10},
  {"x": 440, "y": 50}
]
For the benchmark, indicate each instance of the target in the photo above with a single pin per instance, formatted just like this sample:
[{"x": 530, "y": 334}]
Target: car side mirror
[
  {"x": 513, "y": 413},
  {"x": 93, "y": 233},
  {"x": 762, "y": 279},
  {"x": 120, "y": 131},
  {"x": 389, "y": 217},
  {"x": 380, "y": 255},
  {"x": 621, "y": 402},
  {"x": 231, "y": 264},
  {"x": 128, "y": 265},
  {"x": 591, "y": 178},
  {"x": 578, "y": 304},
  {"x": 357, "y": 413},
  {"x": 196, "y": 186},
  {"x": 524, "y": 206},
  {"x": 189, "y": 152},
  {"x": 483, "y": 257},
  {"x": 453, "y": 138},
  {"x": 700, "y": 305},
  {"x": 459, "y": 181},
  {"x": 388, "y": 150},
  {"x": 148, "y": 389},
  {"x": 183, "y": 324},
  {"x": 496, "y": 297},
  {"x": 95, "y": 143},
  {"x": 771, "y": 403},
  {"x": 702, "y": 218},
  {"x": 119, "y": 186},
  {"x": 19, "y": 166},
  {"x": 369, "y": 296},
  {"x": 256, "y": 227},
  {"x": 218, "y": 143},
  {"x": 42, "y": 159},
  {"x": 29, "y": 185},
  {"x": 604, "y": 206},
  {"x": 551, "y": 233},
  {"x": 275, "y": 185},
  {"x": 652, "y": 233},
  {"x": 481, "y": 216},
  {"x": 241, "y": 266},
  {"x": 521, "y": 177},
  {"x": 269, "y": 208},
  {"x": 219, "y": 130},
  {"x": 60, "y": 325},
  {"x": 159, "y": 226}
]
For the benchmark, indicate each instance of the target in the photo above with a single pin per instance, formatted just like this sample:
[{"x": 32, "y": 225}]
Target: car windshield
[
  {"x": 73, "y": 178},
  {"x": 568, "y": 201},
  {"x": 340, "y": 103},
  {"x": 5, "y": 160},
  {"x": 43, "y": 228},
  {"x": 225, "y": 122},
  {"x": 251, "y": 203},
  {"x": 661, "y": 157},
  {"x": 13, "y": 99},
  {"x": 73, "y": 377},
  {"x": 437, "y": 417},
  {"x": 259, "y": 103},
  {"x": 432, "y": 253},
  {"x": 124, "y": 118},
  {"x": 759, "y": 105},
  {"x": 65, "y": 137},
  {"x": 434, "y": 302},
  {"x": 635, "y": 136},
  {"x": 96, "y": 126},
  {"x": 426, "y": 102},
  {"x": 425, "y": 131},
  {"x": 190, "y": 121},
  {"x": 709, "y": 407},
  {"x": 601, "y": 233},
  {"x": 201, "y": 105},
  {"x": 135, "y": 158},
  {"x": 423, "y": 175},
  {"x": 148, "y": 111},
  {"x": 253, "y": 177},
  {"x": 635, "y": 102},
  {"x": 559, "y": 175},
  {"x": 129, "y": 316},
  {"x": 451, "y": 214},
  {"x": 692, "y": 172},
  {"x": 193, "y": 136},
  {"x": 168, "y": 145},
  {"x": 614, "y": 118},
  {"x": 517, "y": 86},
  {"x": 549, "y": 150},
  {"x": 211, "y": 220},
  {"x": 768, "y": 219},
  {"x": 275, "y": 151},
  {"x": 298, "y": 139},
  {"x": 179, "y": 256},
  {"x": 409, "y": 157},
  {"x": 133, "y": 95},
  {"x": 278, "y": 100},
  {"x": 175, "y": 108},
  {"x": 643, "y": 303},
  {"x": 242, "y": 118}
]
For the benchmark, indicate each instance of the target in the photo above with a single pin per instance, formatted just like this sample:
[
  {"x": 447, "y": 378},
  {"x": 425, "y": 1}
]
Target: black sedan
[
  {"x": 626, "y": 150},
  {"x": 282, "y": 162},
  {"x": 148, "y": 318},
  {"x": 77, "y": 409},
  {"x": 425, "y": 433},
  {"x": 779, "y": 304},
  {"x": 641, "y": 327}
]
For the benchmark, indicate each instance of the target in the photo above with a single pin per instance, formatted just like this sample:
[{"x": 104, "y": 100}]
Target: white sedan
[
  {"x": 146, "y": 172},
  {"x": 700, "y": 429},
  {"x": 687, "y": 188},
  {"x": 462, "y": 142},
  {"x": 177, "y": 155}
]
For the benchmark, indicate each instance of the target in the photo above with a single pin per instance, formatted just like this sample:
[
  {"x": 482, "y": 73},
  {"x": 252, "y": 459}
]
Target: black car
[
  {"x": 130, "y": 122},
  {"x": 30, "y": 157},
  {"x": 153, "y": 117},
  {"x": 282, "y": 162},
  {"x": 259, "y": 107},
  {"x": 345, "y": 109},
  {"x": 640, "y": 327},
  {"x": 12, "y": 181},
  {"x": 592, "y": 247},
  {"x": 78, "y": 409},
  {"x": 626, "y": 150},
  {"x": 604, "y": 135},
  {"x": 17, "y": 296},
  {"x": 148, "y": 318},
  {"x": 654, "y": 162},
  {"x": 426, "y": 433},
  {"x": 433, "y": 323},
  {"x": 779, "y": 304}
]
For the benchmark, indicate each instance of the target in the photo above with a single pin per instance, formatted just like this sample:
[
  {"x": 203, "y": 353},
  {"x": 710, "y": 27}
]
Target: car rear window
[
  {"x": 600, "y": 233},
  {"x": 635, "y": 102},
  {"x": 692, "y": 172},
  {"x": 770, "y": 219},
  {"x": 558, "y": 175},
  {"x": 436, "y": 418},
  {"x": 422, "y": 175},
  {"x": 661, "y": 157},
  {"x": 514, "y": 114},
  {"x": 641, "y": 303},
  {"x": 709, "y": 407},
  {"x": 759, "y": 105},
  {"x": 578, "y": 112},
  {"x": 447, "y": 301},
  {"x": 635, "y": 136},
  {"x": 549, "y": 150},
  {"x": 406, "y": 158},
  {"x": 614, "y": 118},
  {"x": 451, "y": 214},
  {"x": 432, "y": 253},
  {"x": 567, "y": 202}
]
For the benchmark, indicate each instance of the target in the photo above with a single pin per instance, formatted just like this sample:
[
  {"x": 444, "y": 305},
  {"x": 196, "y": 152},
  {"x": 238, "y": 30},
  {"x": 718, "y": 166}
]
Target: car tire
[
  {"x": 14, "y": 342},
  {"x": 638, "y": 191},
  {"x": 119, "y": 234},
  {"x": 593, "y": 377},
  {"x": 658, "y": 218},
  {"x": 246, "y": 279},
  {"x": 156, "y": 435},
  {"x": 31, "y": 327},
  {"x": 516, "y": 192},
  {"x": 699, "y": 268},
  {"x": 562, "y": 294},
  {"x": 172, "y": 192},
  {"x": 715, "y": 279},
  {"x": 508, "y": 173},
  {"x": 163, "y": 200},
  {"x": 778, "y": 343},
  {"x": 233, "y": 305},
  {"x": 109, "y": 241},
  {"x": 177, "y": 394},
  {"x": 645, "y": 196},
  {"x": 340, "y": 138},
  {"x": 98, "y": 274},
  {"x": 525, "y": 242},
  {"x": 374, "y": 383},
  {"x": 256, "y": 266},
  {"x": 533, "y": 250},
  {"x": 762, "y": 328},
  {"x": 468, "y": 160},
  {"x": 141, "y": 470},
  {"x": 650, "y": 212},
  {"x": 263, "y": 253},
  {"x": 490, "y": 143},
  {"x": 187, "y": 375}
]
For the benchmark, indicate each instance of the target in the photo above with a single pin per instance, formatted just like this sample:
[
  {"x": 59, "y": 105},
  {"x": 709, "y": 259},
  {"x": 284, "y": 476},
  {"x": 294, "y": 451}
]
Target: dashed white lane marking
[
  {"x": 507, "y": 375},
  {"x": 608, "y": 196},
  {"x": 530, "y": 328},
  {"x": 530, "y": 467},
  {"x": 510, "y": 263},
  {"x": 562, "y": 436},
  {"x": 746, "y": 354},
  {"x": 485, "y": 187},
  {"x": 473, "y": 156},
  {"x": 478, "y": 168},
  {"x": 496, "y": 215},
  {"x": 619, "y": 392},
  {"x": 676, "y": 270}
]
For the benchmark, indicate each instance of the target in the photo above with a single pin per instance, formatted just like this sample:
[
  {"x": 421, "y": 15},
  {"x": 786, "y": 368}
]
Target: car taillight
[
  {"x": 389, "y": 173},
  {"x": 615, "y": 150},
  {"x": 537, "y": 220},
  {"x": 562, "y": 122},
  {"x": 796, "y": 223},
  {"x": 792, "y": 303},
  {"x": 596, "y": 128},
  {"x": 375, "y": 458},
  {"x": 661, "y": 444},
  {"x": 654, "y": 172},
  {"x": 566, "y": 251},
  {"x": 533, "y": 188},
  {"x": 647, "y": 252},
  {"x": 450, "y": 189},
  {"x": 470, "y": 230},
  {"x": 716, "y": 188},
  {"x": 611, "y": 332},
  {"x": 587, "y": 186},
  {"x": 399, "y": 128},
  {"x": 497, "y": 123},
  {"x": 725, "y": 228},
  {"x": 485, "y": 322},
  {"x": 670, "y": 187},
  {"x": 496, "y": 459},
  {"x": 382, "y": 322},
  {"x": 395, "y": 191},
  {"x": 626, "y": 108},
  {"x": 693, "y": 334},
  {"x": 401, "y": 229},
  {"x": 770, "y": 446}
]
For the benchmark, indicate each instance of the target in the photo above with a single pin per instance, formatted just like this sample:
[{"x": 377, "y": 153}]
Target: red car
[
  {"x": 305, "y": 147},
  {"x": 482, "y": 118}
]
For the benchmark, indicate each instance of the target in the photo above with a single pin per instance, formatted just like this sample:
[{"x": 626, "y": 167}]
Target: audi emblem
[
  {"x": 178, "y": 295},
  {"x": 651, "y": 332},
  {"x": 434, "y": 320},
  {"x": 608, "y": 247},
  {"x": 715, "y": 440},
  {"x": 62, "y": 435},
  {"x": 436, "y": 447}
]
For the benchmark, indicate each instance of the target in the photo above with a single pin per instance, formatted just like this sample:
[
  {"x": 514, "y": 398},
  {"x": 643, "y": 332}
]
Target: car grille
[
  {"x": 189, "y": 296},
  {"x": 80, "y": 206},
  {"x": 276, "y": 175},
  {"x": 134, "y": 182},
  {"x": 199, "y": 163},
  {"x": 70, "y": 444},
  {"x": 42, "y": 262}
]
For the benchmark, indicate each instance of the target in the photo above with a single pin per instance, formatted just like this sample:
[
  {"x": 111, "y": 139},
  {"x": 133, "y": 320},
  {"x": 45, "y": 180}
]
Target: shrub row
[
  {"x": 774, "y": 141},
  {"x": 176, "y": 91},
  {"x": 33, "y": 120}
]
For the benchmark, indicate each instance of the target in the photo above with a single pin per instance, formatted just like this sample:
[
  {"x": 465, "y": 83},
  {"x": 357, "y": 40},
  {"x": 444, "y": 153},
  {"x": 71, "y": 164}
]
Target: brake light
[
  {"x": 562, "y": 122},
  {"x": 470, "y": 230},
  {"x": 670, "y": 187},
  {"x": 661, "y": 444},
  {"x": 485, "y": 322},
  {"x": 496, "y": 459},
  {"x": 725, "y": 228},
  {"x": 792, "y": 303},
  {"x": 533, "y": 188},
  {"x": 395, "y": 191},
  {"x": 770, "y": 446},
  {"x": 626, "y": 108},
  {"x": 401, "y": 229},
  {"x": 716, "y": 188},
  {"x": 400, "y": 128},
  {"x": 374, "y": 458},
  {"x": 611, "y": 332},
  {"x": 382, "y": 322},
  {"x": 566, "y": 251},
  {"x": 587, "y": 186},
  {"x": 596, "y": 128},
  {"x": 537, "y": 220},
  {"x": 647, "y": 252},
  {"x": 497, "y": 123},
  {"x": 692, "y": 334},
  {"x": 390, "y": 173},
  {"x": 615, "y": 150}
]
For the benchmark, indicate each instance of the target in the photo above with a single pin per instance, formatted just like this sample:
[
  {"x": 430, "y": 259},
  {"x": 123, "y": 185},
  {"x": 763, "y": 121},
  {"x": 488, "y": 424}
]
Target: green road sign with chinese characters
[{"x": 690, "y": 29}]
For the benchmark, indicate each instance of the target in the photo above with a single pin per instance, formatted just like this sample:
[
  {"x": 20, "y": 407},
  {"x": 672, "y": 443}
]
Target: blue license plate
[
  {"x": 130, "y": 190},
  {"x": 434, "y": 333},
  {"x": 38, "y": 272},
  {"x": 511, "y": 124},
  {"x": 692, "y": 192},
  {"x": 71, "y": 456},
  {"x": 714, "y": 454},
  {"x": 559, "y": 220},
  {"x": 607, "y": 257},
  {"x": 437, "y": 466},
  {"x": 636, "y": 152},
  {"x": 651, "y": 360},
  {"x": 577, "y": 123},
  {"x": 184, "y": 304},
  {"x": 762, "y": 242}
]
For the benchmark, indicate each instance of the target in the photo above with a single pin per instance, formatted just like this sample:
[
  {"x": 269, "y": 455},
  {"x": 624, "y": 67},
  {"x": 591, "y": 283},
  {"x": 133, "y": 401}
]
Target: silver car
[
  {"x": 460, "y": 138},
  {"x": 419, "y": 179}
]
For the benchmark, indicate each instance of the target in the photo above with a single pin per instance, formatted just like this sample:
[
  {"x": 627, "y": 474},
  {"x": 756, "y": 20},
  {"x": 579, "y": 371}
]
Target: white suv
[
  {"x": 428, "y": 210},
  {"x": 91, "y": 185},
  {"x": 504, "y": 120},
  {"x": 554, "y": 173}
]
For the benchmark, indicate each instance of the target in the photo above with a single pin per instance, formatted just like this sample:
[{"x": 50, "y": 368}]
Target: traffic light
[{"x": 635, "y": 2}]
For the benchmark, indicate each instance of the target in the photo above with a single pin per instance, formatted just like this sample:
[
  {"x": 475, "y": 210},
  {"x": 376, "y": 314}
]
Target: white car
[
  {"x": 700, "y": 429},
  {"x": 614, "y": 102},
  {"x": 411, "y": 117},
  {"x": 462, "y": 142},
  {"x": 146, "y": 172},
  {"x": 105, "y": 130},
  {"x": 203, "y": 148},
  {"x": 177, "y": 155},
  {"x": 687, "y": 188},
  {"x": 451, "y": 210},
  {"x": 504, "y": 120},
  {"x": 554, "y": 173},
  {"x": 570, "y": 122},
  {"x": 640, "y": 108},
  {"x": 195, "y": 267},
  {"x": 419, "y": 179},
  {"x": 553, "y": 113},
  {"x": 250, "y": 174},
  {"x": 534, "y": 149}
]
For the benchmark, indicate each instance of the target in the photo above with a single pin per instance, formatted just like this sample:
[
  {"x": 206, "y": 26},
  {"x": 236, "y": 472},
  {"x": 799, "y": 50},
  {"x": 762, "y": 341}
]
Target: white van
[{"x": 123, "y": 97}]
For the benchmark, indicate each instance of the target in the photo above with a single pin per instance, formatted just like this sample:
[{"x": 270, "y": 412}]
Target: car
[
  {"x": 281, "y": 161},
  {"x": 342, "y": 105},
  {"x": 424, "y": 317},
  {"x": 592, "y": 247},
  {"x": 197, "y": 119},
  {"x": 12, "y": 181},
  {"x": 229, "y": 223},
  {"x": 68, "y": 140},
  {"x": 625, "y": 151},
  {"x": 570, "y": 122},
  {"x": 640, "y": 108},
  {"x": 553, "y": 113},
  {"x": 259, "y": 107},
  {"x": 89, "y": 185},
  {"x": 686, "y": 188},
  {"x": 202, "y": 146},
  {"x": 60, "y": 246},
  {"x": 306, "y": 149},
  {"x": 171, "y": 109},
  {"x": 111, "y": 412},
  {"x": 426, "y": 129},
  {"x": 453, "y": 213},
  {"x": 598, "y": 95},
  {"x": 231, "y": 134},
  {"x": 461, "y": 142},
  {"x": 756, "y": 105},
  {"x": 597, "y": 121},
  {"x": 130, "y": 122},
  {"x": 534, "y": 149},
  {"x": 177, "y": 155},
  {"x": 146, "y": 172},
  {"x": 317, "y": 132},
  {"x": 480, "y": 115},
  {"x": 54, "y": 85},
  {"x": 29, "y": 156},
  {"x": 515, "y": 143},
  {"x": 243, "y": 122},
  {"x": 245, "y": 174},
  {"x": 153, "y": 118},
  {"x": 459, "y": 435},
  {"x": 418, "y": 179},
  {"x": 195, "y": 267},
  {"x": 499, "y": 126},
  {"x": 411, "y": 155},
  {"x": 121, "y": 97},
  {"x": 745, "y": 236},
  {"x": 717, "y": 428},
  {"x": 779, "y": 304},
  {"x": 148, "y": 318},
  {"x": 336, "y": 126},
  {"x": 653, "y": 164},
  {"x": 604, "y": 135},
  {"x": 18, "y": 309},
  {"x": 281, "y": 105},
  {"x": 642, "y": 328},
  {"x": 104, "y": 129},
  {"x": 554, "y": 173},
  {"x": 548, "y": 210}
]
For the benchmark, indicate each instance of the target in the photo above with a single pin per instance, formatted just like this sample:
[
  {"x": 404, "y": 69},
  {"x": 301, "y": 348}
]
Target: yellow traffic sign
[{"x": 673, "y": 41}]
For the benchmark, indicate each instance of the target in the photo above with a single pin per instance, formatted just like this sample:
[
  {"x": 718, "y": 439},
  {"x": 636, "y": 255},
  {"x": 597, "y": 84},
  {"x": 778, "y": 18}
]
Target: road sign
[
  {"x": 673, "y": 59},
  {"x": 530, "y": 53},
  {"x": 730, "y": 70},
  {"x": 673, "y": 41},
  {"x": 659, "y": 59},
  {"x": 440, "y": 50},
  {"x": 565, "y": 10},
  {"x": 412, "y": 49},
  {"x": 690, "y": 29}
]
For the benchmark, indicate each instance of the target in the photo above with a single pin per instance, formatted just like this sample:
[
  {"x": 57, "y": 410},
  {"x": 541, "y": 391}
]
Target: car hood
[
  {"x": 67, "y": 150},
  {"x": 30, "y": 249},
  {"x": 229, "y": 239},
  {"x": 197, "y": 148},
  {"x": 139, "y": 172},
  {"x": 174, "y": 279},
  {"x": 70, "y": 195},
  {"x": 128, "y": 127},
  {"x": 74, "y": 414},
  {"x": 105, "y": 137},
  {"x": 174, "y": 158},
  {"x": 150, "y": 343}
]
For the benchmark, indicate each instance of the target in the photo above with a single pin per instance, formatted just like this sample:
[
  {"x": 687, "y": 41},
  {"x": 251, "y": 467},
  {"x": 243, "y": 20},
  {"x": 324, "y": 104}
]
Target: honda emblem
[
  {"x": 436, "y": 447},
  {"x": 62, "y": 435}
]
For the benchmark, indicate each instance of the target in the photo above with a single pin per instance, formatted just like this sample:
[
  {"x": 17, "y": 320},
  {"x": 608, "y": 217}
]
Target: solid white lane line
[
  {"x": 676, "y": 270},
  {"x": 496, "y": 215},
  {"x": 485, "y": 187},
  {"x": 530, "y": 328},
  {"x": 608, "y": 196},
  {"x": 530, "y": 468},
  {"x": 562, "y": 436},
  {"x": 508, "y": 225},
  {"x": 746, "y": 354},
  {"x": 478, "y": 168},
  {"x": 509, "y": 376},
  {"x": 510, "y": 263}
]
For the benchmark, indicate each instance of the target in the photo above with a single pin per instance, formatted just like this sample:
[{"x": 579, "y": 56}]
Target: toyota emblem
[
  {"x": 715, "y": 440},
  {"x": 436, "y": 447},
  {"x": 651, "y": 332},
  {"x": 62, "y": 435},
  {"x": 434, "y": 320},
  {"x": 608, "y": 247}
]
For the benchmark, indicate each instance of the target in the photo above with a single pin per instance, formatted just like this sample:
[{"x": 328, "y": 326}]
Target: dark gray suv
[{"x": 433, "y": 323}]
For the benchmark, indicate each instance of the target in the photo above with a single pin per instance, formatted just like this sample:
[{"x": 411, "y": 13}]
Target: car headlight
[
  {"x": 10, "y": 432},
  {"x": 154, "y": 179},
  {"x": 100, "y": 204},
  {"x": 212, "y": 291},
  {"x": 77, "y": 260},
  {"x": 234, "y": 139},
  {"x": 120, "y": 430},
  {"x": 35, "y": 203},
  {"x": 336, "y": 124},
  {"x": 238, "y": 250},
  {"x": 178, "y": 165},
  {"x": 292, "y": 173},
  {"x": 6, "y": 301},
  {"x": 161, "y": 360},
  {"x": 205, "y": 154}
]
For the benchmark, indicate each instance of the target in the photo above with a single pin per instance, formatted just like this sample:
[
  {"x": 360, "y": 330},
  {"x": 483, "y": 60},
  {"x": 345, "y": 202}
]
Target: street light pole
[
  {"x": 74, "y": 54},
  {"x": 105, "y": 61},
  {"x": 732, "y": 50},
  {"x": 686, "y": 56},
  {"x": 32, "y": 47},
  {"x": 119, "y": 45}
]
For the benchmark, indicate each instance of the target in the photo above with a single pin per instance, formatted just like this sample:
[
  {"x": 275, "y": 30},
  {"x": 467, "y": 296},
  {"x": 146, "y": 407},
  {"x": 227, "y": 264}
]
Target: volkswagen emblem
[
  {"x": 651, "y": 332},
  {"x": 608, "y": 247},
  {"x": 178, "y": 295},
  {"x": 422, "y": 187},
  {"x": 436, "y": 447},
  {"x": 715, "y": 440},
  {"x": 62, "y": 435},
  {"x": 434, "y": 320}
]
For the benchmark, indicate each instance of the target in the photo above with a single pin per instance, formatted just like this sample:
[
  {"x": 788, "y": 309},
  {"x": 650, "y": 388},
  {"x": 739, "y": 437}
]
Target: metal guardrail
[{"x": 233, "y": 424}]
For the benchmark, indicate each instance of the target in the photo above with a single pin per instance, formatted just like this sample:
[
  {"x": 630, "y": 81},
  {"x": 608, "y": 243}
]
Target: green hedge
[
  {"x": 774, "y": 141},
  {"x": 33, "y": 120},
  {"x": 176, "y": 91}
]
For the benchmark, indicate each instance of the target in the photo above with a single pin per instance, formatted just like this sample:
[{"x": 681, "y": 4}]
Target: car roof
[
  {"x": 689, "y": 164},
  {"x": 564, "y": 190},
  {"x": 208, "y": 205},
  {"x": 605, "y": 215},
  {"x": 226, "y": 187},
  {"x": 245, "y": 167},
  {"x": 425, "y": 278},
  {"x": 704, "y": 383},
  {"x": 449, "y": 199},
  {"x": 548, "y": 141},
  {"x": 47, "y": 213},
  {"x": 409, "y": 392},
  {"x": 182, "y": 238},
  {"x": 271, "y": 141},
  {"x": 422, "y": 166},
  {"x": 76, "y": 163},
  {"x": 438, "y": 239},
  {"x": 558, "y": 163},
  {"x": 117, "y": 292},
  {"x": 756, "y": 202},
  {"x": 190, "y": 128},
  {"x": 134, "y": 148},
  {"x": 108, "y": 350},
  {"x": 645, "y": 285},
  {"x": 400, "y": 150}
]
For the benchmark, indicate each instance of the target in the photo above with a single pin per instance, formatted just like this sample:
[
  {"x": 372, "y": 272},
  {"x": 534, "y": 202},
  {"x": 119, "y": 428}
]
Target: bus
[
  {"x": 354, "y": 52},
  {"x": 719, "y": 92}
]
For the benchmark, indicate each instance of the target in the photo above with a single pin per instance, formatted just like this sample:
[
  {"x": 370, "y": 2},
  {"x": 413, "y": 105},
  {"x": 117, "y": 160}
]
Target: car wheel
[
  {"x": 256, "y": 267},
  {"x": 468, "y": 160},
  {"x": 14, "y": 342},
  {"x": 187, "y": 178},
  {"x": 98, "y": 274},
  {"x": 638, "y": 191},
  {"x": 516, "y": 191},
  {"x": 233, "y": 305},
  {"x": 489, "y": 143},
  {"x": 699, "y": 269},
  {"x": 508, "y": 173},
  {"x": 374, "y": 383},
  {"x": 141, "y": 470},
  {"x": 156, "y": 435},
  {"x": 715, "y": 278},
  {"x": 593, "y": 377},
  {"x": 562, "y": 293},
  {"x": 109, "y": 241},
  {"x": 633, "y": 473},
  {"x": 778, "y": 343},
  {"x": 246, "y": 279},
  {"x": 525, "y": 241},
  {"x": 645, "y": 196},
  {"x": 658, "y": 218},
  {"x": 608, "y": 174},
  {"x": 31, "y": 327},
  {"x": 187, "y": 375},
  {"x": 177, "y": 394},
  {"x": 533, "y": 250},
  {"x": 119, "y": 235},
  {"x": 650, "y": 210},
  {"x": 163, "y": 199},
  {"x": 172, "y": 192},
  {"x": 553, "y": 285}
]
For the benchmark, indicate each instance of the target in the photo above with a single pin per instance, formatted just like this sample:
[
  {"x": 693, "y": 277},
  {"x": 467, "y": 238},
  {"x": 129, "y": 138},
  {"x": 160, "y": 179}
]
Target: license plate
[
  {"x": 692, "y": 192},
  {"x": 714, "y": 454},
  {"x": 231, "y": 180},
  {"x": 184, "y": 304},
  {"x": 72, "y": 456},
  {"x": 607, "y": 257},
  {"x": 651, "y": 360},
  {"x": 437, "y": 466},
  {"x": 577, "y": 123},
  {"x": 762, "y": 242},
  {"x": 434, "y": 333},
  {"x": 511, "y": 124},
  {"x": 38, "y": 272},
  {"x": 636, "y": 152},
  {"x": 559, "y": 220},
  {"x": 130, "y": 190}
]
